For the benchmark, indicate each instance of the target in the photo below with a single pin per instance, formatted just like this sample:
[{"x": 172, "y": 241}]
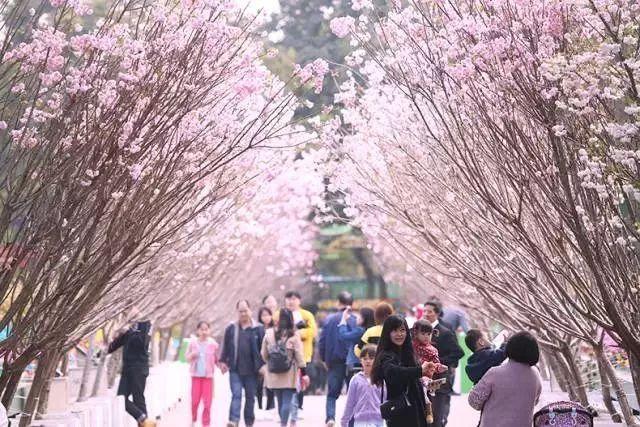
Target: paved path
[{"x": 313, "y": 414}]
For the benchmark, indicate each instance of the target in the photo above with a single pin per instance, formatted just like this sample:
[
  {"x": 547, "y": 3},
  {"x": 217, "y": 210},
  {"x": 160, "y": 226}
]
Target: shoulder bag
[{"x": 397, "y": 407}]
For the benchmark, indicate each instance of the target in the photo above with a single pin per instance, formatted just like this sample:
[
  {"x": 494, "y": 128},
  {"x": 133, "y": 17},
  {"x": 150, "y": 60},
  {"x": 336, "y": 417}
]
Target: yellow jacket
[
  {"x": 307, "y": 335},
  {"x": 370, "y": 336}
]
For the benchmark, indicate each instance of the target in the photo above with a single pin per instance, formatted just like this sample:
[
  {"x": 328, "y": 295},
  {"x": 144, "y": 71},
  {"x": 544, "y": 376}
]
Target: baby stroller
[{"x": 563, "y": 414}]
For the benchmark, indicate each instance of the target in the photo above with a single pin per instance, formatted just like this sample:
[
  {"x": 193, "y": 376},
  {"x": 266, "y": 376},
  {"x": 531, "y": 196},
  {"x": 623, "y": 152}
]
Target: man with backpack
[{"x": 241, "y": 357}]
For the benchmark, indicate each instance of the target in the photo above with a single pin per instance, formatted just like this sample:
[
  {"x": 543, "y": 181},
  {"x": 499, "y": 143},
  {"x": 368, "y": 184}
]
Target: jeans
[
  {"x": 132, "y": 383},
  {"x": 336, "y": 376},
  {"x": 250, "y": 385},
  {"x": 293, "y": 415},
  {"x": 296, "y": 405},
  {"x": 284, "y": 396},
  {"x": 201, "y": 389}
]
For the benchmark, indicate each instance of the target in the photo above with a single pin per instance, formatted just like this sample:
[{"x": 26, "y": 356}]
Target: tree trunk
[
  {"x": 578, "y": 381},
  {"x": 86, "y": 372},
  {"x": 113, "y": 367},
  {"x": 155, "y": 349},
  {"x": 165, "y": 342},
  {"x": 43, "y": 400},
  {"x": 606, "y": 387},
  {"x": 373, "y": 278},
  {"x": 183, "y": 333},
  {"x": 39, "y": 380},
  {"x": 64, "y": 366},
  {"x": 627, "y": 412},
  {"x": 544, "y": 371},
  {"x": 558, "y": 373},
  {"x": 569, "y": 378},
  {"x": 10, "y": 383},
  {"x": 634, "y": 366},
  {"x": 99, "y": 372}
]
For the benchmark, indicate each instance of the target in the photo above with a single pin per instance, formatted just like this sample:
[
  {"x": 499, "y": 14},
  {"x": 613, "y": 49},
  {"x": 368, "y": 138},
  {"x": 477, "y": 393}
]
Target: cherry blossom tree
[
  {"x": 113, "y": 140},
  {"x": 491, "y": 145}
]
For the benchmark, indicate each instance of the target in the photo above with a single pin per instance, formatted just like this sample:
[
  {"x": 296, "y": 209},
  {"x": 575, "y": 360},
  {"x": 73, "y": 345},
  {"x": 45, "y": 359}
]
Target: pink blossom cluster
[
  {"x": 115, "y": 64},
  {"x": 80, "y": 7},
  {"x": 342, "y": 26},
  {"x": 44, "y": 52},
  {"x": 314, "y": 72}
]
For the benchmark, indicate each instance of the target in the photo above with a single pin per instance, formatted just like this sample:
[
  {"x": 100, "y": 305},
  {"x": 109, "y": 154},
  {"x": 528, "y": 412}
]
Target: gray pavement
[{"x": 313, "y": 414}]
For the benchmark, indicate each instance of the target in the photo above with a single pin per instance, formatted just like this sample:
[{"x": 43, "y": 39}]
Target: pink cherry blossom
[{"x": 342, "y": 26}]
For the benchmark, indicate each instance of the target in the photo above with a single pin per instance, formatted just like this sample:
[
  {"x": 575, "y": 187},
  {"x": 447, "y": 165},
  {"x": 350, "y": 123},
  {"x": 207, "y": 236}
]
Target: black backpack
[{"x": 279, "y": 360}]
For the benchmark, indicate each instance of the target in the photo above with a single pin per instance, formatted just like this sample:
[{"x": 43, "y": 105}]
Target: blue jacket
[
  {"x": 333, "y": 350},
  {"x": 456, "y": 318},
  {"x": 229, "y": 345},
  {"x": 351, "y": 335},
  {"x": 483, "y": 360}
]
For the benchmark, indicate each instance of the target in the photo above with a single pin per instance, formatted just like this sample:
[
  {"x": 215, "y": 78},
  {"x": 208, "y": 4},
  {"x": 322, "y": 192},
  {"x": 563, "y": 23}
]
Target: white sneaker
[{"x": 331, "y": 423}]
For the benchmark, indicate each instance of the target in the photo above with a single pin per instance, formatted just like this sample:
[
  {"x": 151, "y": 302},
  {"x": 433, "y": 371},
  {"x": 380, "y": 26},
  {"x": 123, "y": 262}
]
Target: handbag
[{"x": 399, "y": 406}]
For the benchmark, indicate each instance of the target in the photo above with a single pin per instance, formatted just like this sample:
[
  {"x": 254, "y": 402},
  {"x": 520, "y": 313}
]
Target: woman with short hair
[{"x": 507, "y": 394}]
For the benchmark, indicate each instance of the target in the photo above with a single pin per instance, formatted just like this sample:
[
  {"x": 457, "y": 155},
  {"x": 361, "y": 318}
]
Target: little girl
[
  {"x": 363, "y": 398},
  {"x": 426, "y": 352},
  {"x": 422, "y": 347},
  {"x": 202, "y": 353}
]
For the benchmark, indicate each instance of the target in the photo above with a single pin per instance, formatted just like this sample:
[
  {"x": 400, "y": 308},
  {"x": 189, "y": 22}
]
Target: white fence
[{"x": 166, "y": 386}]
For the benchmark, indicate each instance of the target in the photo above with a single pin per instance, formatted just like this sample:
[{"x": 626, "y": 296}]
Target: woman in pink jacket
[
  {"x": 202, "y": 353},
  {"x": 507, "y": 394}
]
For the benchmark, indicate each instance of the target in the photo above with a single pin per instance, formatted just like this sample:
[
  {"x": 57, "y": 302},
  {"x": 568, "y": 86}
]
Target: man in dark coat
[
  {"x": 333, "y": 352},
  {"x": 241, "y": 357},
  {"x": 450, "y": 353}
]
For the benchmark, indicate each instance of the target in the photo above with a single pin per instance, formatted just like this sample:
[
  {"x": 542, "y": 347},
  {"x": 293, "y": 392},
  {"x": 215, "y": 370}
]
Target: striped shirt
[{"x": 370, "y": 336}]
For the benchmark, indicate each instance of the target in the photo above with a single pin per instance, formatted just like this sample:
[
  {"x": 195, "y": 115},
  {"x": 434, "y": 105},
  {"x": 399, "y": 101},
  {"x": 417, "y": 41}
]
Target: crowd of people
[{"x": 396, "y": 373}]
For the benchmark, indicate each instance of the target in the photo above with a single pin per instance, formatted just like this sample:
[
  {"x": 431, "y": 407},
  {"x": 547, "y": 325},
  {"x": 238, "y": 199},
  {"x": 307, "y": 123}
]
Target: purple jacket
[
  {"x": 363, "y": 402},
  {"x": 506, "y": 395}
]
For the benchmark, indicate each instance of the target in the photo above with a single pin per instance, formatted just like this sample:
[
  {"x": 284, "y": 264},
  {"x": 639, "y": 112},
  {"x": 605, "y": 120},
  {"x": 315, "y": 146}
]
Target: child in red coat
[
  {"x": 422, "y": 347},
  {"x": 426, "y": 352}
]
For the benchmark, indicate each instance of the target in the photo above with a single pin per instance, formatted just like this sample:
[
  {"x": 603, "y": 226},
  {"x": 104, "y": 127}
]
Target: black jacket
[
  {"x": 229, "y": 356},
  {"x": 447, "y": 344},
  {"x": 483, "y": 360},
  {"x": 398, "y": 379},
  {"x": 135, "y": 346}
]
